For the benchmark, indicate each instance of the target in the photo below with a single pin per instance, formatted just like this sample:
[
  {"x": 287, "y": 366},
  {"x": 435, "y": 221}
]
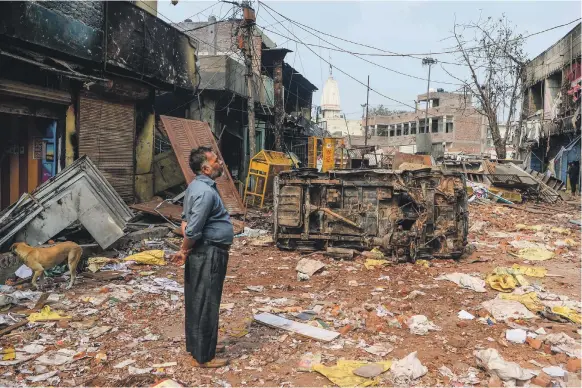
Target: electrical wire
[
  {"x": 393, "y": 53},
  {"x": 379, "y": 65},
  {"x": 350, "y": 76}
]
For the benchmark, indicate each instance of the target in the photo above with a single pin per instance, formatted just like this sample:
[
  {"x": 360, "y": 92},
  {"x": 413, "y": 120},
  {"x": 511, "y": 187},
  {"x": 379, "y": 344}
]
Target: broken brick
[
  {"x": 542, "y": 380},
  {"x": 574, "y": 365},
  {"x": 534, "y": 343},
  {"x": 462, "y": 324},
  {"x": 345, "y": 330}
]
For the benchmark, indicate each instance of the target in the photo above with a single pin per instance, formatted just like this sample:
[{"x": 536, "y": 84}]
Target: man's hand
[{"x": 180, "y": 257}]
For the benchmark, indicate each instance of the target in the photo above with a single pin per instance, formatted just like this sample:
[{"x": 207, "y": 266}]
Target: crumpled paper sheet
[
  {"x": 420, "y": 325},
  {"x": 534, "y": 272},
  {"x": 373, "y": 263},
  {"x": 496, "y": 365},
  {"x": 563, "y": 343},
  {"x": 502, "y": 283},
  {"x": 96, "y": 263},
  {"x": 529, "y": 300},
  {"x": 502, "y": 309},
  {"x": 465, "y": 281},
  {"x": 559, "y": 230},
  {"x": 535, "y": 254},
  {"x": 568, "y": 313},
  {"x": 536, "y": 228},
  {"x": 342, "y": 374},
  {"x": 153, "y": 257},
  {"x": 46, "y": 314},
  {"x": 407, "y": 369}
]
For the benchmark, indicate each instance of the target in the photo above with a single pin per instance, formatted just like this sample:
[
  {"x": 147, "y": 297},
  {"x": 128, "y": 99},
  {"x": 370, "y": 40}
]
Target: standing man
[
  {"x": 208, "y": 234},
  {"x": 574, "y": 175}
]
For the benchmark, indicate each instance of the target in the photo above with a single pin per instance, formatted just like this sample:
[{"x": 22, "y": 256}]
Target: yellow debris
[
  {"x": 8, "y": 354},
  {"x": 568, "y": 313},
  {"x": 503, "y": 283},
  {"x": 46, "y": 314},
  {"x": 373, "y": 263},
  {"x": 563, "y": 231},
  {"x": 424, "y": 263},
  {"x": 153, "y": 257},
  {"x": 535, "y": 254},
  {"x": 535, "y": 272},
  {"x": 529, "y": 300},
  {"x": 342, "y": 374},
  {"x": 537, "y": 228},
  {"x": 96, "y": 263},
  {"x": 521, "y": 281}
]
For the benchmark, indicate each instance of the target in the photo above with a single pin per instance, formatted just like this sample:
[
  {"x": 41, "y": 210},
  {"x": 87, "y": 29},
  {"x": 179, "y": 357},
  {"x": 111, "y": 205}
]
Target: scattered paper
[
  {"x": 554, "y": 371},
  {"x": 138, "y": 371},
  {"x": 535, "y": 254},
  {"x": 407, "y": 369},
  {"x": 153, "y": 257},
  {"x": 465, "y": 315},
  {"x": 496, "y": 365},
  {"x": 124, "y": 363},
  {"x": 342, "y": 374},
  {"x": 309, "y": 266},
  {"x": 42, "y": 377},
  {"x": 56, "y": 357},
  {"x": 465, "y": 281},
  {"x": 256, "y": 288},
  {"x": 502, "y": 309},
  {"x": 308, "y": 360},
  {"x": 380, "y": 350},
  {"x": 374, "y": 263},
  {"x": 420, "y": 325},
  {"x": 517, "y": 336}
]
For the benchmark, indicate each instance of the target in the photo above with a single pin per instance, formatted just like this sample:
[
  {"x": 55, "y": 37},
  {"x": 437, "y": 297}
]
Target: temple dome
[{"x": 330, "y": 99}]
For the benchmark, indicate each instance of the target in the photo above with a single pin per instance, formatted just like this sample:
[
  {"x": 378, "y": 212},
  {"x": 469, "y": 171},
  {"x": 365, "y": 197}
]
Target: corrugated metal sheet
[
  {"x": 78, "y": 193},
  {"x": 106, "y": 135},
  {"x": 187, "y": 134}
]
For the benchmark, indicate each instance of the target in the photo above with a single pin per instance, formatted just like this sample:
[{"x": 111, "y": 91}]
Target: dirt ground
[{"x": 148, "y": 328}]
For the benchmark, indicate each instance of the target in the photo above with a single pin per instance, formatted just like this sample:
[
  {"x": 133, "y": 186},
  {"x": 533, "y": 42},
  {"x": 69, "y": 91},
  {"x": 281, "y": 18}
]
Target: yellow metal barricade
[
  {"x": 263, "y": 167},
  {"x": 331, "y": 151}
]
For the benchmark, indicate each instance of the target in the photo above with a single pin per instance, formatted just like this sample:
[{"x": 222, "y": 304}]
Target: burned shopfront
[{"x": 80, "y": 78}]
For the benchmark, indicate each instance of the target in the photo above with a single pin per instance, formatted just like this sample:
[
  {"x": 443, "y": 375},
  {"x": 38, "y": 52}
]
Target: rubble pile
[{"x": 507, "y": 312}]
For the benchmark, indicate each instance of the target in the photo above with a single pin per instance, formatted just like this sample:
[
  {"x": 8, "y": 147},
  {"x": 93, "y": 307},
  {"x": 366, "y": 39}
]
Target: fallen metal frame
[{"x": 78, "y": 193}]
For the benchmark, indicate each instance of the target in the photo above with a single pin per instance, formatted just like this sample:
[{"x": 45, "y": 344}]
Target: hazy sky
[{"x": 402, "y": 27}]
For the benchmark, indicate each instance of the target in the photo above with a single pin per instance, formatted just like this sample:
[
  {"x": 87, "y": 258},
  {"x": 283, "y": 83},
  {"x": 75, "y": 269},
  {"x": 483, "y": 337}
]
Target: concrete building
[
  {"x": 452, "y": 121},
  {"x": 551, "y": 102},
  {"x": 331, "y": 117},
  {"x": 224, "y": 93},
  {"x": 80, "y": 78}
]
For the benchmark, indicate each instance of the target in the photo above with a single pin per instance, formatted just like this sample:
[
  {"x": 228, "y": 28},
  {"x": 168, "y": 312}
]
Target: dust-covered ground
[{"x": 130, "y": 331}]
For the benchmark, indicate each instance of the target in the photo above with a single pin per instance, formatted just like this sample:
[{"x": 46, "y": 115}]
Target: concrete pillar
[
  {"x": 70, "y": 131},
  {"x": 144, "y": 158},
  {"x": 375, "y": 129}
]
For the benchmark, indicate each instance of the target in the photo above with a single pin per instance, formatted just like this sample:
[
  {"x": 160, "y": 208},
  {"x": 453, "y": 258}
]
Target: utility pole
[
  {"x": 425, "y": 139},
  {"x": 367, "y": 101},
  {"x": 247, "y": 46}
]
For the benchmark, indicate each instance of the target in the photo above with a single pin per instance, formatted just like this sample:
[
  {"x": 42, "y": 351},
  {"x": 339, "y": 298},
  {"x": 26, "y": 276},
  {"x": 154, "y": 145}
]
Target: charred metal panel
[
  {"x": 411, "y": 214},
  {"x": 142, "y": 43},
  {"x": 186, "y": 135},
  {"x": 33, "y": 23}
]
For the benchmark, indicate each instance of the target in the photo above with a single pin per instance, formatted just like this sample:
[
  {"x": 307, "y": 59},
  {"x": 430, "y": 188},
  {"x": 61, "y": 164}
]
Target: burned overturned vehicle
[{"x": 406, "y": 214}]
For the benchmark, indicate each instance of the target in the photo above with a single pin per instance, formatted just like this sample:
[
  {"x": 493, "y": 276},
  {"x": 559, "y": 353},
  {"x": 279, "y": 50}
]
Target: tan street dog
[{"x": 41, "y": 259}]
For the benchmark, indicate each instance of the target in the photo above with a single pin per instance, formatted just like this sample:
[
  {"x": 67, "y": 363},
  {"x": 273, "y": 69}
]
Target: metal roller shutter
[{"x": 106, "y": 135}]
